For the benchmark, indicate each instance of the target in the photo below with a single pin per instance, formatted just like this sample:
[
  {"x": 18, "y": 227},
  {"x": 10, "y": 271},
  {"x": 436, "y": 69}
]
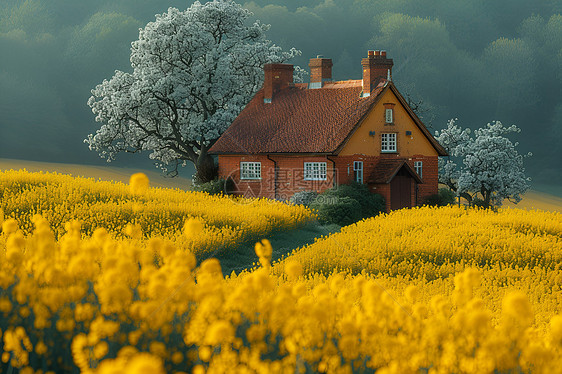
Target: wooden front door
[{"x": 401, "y": 190}]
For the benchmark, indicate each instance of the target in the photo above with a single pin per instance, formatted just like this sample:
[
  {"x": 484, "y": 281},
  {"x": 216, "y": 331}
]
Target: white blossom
[
  {"x": 192, "y": 73},
  {"x": 491, "y": 165}
]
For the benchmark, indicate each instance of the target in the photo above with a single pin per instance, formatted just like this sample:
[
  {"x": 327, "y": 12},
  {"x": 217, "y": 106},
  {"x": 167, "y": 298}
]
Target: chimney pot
[
  {"x": 320, "y": 71},
  {"x": 371, "y": 53},
  {"x": 375, "y": 69},
  {"x": 276, "y": 77}
]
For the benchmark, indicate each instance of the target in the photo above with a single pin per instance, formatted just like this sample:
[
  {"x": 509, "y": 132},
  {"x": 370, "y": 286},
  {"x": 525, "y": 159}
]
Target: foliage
[
  {"x": 193, "y": 71},
  {"x": 492, "y": 167},
  {"x": 153, "y": 212},
  {"x": 304, "y": 197},
  {"x": 443, "y": 197},
  {"x": 341, "y": 210},
  {"x": 337, "y": 205},
  {"x": 217, "y": 186},
  {"x": 474, "y": 300},
  {"x": 59, "y": 50}
]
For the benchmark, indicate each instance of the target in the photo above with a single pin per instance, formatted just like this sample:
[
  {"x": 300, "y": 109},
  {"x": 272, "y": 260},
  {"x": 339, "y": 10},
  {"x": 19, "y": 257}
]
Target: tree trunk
[
  {"x": 487, "y": 196},
  {"x": 468, "y": 197},
  {"x": 205, "y": 168}
]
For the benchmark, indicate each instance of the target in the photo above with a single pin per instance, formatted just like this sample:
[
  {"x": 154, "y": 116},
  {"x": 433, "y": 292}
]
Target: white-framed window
[
  {"x": 388, "y": 142},
  {"x": 418, "y": 165},
  {"x": 358, "y": 171},
  {"x": 389, "y": 115},
  {"x": 315, "y": 171},
  {"x": 250, "y": 170}
]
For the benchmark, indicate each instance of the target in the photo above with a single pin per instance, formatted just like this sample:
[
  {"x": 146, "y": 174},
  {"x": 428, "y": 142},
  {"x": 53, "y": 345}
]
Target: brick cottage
[{"x": 296, "y": 136}]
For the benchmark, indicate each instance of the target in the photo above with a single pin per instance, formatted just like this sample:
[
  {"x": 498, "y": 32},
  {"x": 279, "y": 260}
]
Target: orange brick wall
[
  {"x": 290, "y": 170},
  {"x": 290, "y": 175},
  {"x": 429, "y": 176}
]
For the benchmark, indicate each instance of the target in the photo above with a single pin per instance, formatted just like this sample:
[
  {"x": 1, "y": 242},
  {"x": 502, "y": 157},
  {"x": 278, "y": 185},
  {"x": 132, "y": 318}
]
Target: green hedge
[
  {"x": 442, "y": 198},
  {"x": 346, "y": 204}
]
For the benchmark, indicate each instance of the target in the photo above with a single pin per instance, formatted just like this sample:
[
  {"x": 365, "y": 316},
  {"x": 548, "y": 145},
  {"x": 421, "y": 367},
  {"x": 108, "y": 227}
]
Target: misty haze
[{"x": 477, "y": 61}]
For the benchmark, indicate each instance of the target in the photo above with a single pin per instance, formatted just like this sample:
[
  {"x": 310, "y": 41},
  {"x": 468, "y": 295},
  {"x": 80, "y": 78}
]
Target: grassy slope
[{"x": 283, "y": 243}]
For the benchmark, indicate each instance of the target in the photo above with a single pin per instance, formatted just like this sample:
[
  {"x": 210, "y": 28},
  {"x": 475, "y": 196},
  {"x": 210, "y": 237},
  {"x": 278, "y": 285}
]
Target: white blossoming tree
[
  {"x": 492, "y": 169},
  {"x": 192, "y": 73}
]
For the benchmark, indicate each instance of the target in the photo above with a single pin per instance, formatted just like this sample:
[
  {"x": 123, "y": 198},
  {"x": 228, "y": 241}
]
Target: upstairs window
[
  {"x": 418, "y": 165},
  {"x": 389, "y": 115},
  {"x": 388, "y": 142},
  {"x": 250, "y": 170},
  {"x": 315, "y": 171},
  {"x": 358, "y": 171}
]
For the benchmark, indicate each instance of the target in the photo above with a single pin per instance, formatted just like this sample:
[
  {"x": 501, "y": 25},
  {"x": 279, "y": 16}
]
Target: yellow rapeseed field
[
  {"x": 140, "y": 211},
  {"x": 426, "y": 290}
]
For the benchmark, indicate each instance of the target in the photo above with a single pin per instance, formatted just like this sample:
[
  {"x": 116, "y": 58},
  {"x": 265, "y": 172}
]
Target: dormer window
[{"x": 389, "y": 115}]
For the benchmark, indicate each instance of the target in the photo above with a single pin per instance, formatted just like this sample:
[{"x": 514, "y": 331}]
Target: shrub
[
  {"x": 304, "y": 197},
  {"x": 216, "y": 187},
  {"x": 370, "y": 204},
  {"x": 340, "y": 210},
  {"x": 443, "y": 198},
  {"x": 334, "y": 205}
]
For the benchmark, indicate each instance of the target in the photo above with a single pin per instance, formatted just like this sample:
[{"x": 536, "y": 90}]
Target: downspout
[
  {"x": 333, "y": 170},
  {"x": 275, "y": 174}
]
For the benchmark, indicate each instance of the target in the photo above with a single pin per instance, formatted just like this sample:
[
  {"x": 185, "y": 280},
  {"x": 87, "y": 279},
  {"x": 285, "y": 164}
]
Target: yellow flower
[
  {"x": 556, "y": 329},
  {"x": 138, "y": 184},
  {"x": 293, "y": 269},
  {"x": 145, "y": 363},
  {"x": 219, "y": 332},
  {"x": 192, "y": 227},
  {"x": 516, "y": 305},
  {"x": 264, "y": 249},
  {"x": 177, "y": 357},
  {"x": 211, "y": 266},
  {"x": 9, "y": 226},
  {"x": 133, "y": 230},
  {"x": 158, "y": 349},
  {"x": 205, "y": 353},
  {"x": 411, "y": 293},
  {"x": 40, "y": 348},
  {"x": 100, "y": 350},
  {"x": 5, "y": 305},
  {"x": 198, "y": 369}
]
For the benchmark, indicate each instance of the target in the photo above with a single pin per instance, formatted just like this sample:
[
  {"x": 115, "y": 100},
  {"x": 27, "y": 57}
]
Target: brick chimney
[
  {"x": 320, "y": 71},
  {"x": 277, "y": 77},
  {"x": 375, "y": 66}
]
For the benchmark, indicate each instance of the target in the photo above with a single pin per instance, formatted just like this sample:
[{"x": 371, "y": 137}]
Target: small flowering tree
[
  {"x": 192, "y": 73},
  {"x": 492, "y": 169}
]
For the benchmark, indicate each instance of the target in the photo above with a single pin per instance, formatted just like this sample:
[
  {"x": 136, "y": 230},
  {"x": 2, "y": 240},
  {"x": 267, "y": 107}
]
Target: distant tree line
[{"x": 472, "y": 60}]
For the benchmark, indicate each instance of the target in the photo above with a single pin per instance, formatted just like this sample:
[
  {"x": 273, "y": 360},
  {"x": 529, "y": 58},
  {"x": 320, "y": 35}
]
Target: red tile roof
[
  {"x": 302, "y": 120},
  {"x": 298, "y": 120}
]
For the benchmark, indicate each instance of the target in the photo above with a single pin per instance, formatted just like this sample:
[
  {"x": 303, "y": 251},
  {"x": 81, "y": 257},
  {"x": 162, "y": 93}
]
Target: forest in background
[{"x": 474, "y": 60}]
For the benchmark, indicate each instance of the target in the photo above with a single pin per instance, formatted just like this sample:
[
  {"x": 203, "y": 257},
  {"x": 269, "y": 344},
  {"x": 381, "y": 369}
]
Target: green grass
[{"x": 283, "y": 243}]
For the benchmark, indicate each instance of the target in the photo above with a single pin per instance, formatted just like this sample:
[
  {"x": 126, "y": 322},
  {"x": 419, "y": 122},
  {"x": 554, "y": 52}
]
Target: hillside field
[
  {"x": 533, "y": 199},
  {"x": 108, "y": 277}
]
